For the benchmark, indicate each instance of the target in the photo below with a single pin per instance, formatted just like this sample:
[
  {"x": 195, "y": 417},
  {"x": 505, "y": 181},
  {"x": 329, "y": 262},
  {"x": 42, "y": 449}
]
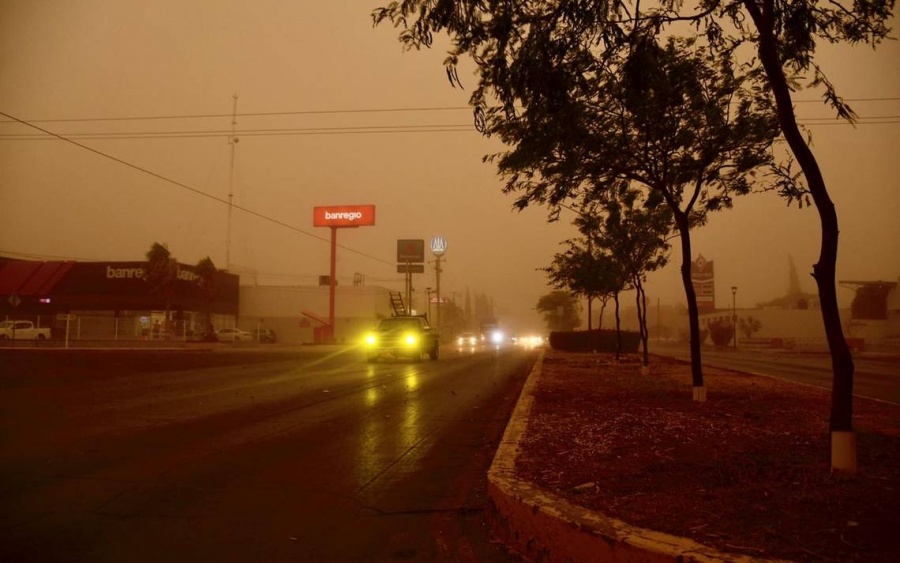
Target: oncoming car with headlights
[
  {"x": 467, "y": 339},
  {"x": 402, "y": 337}
]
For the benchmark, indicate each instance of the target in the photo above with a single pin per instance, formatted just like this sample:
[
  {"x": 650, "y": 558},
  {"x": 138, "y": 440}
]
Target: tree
[
  {"x": 721, "y": 332},
  {"x": 749, "y": 326},
  {"x": 587, "y": 271},
  {"x": 560, "y": 310},
  {"x": 523, "y": 50},
  {"x": 162, "y": 273},
  {"x": 453, "y": 317},
  {"x": 672, "y": 119},
  {"x": 634, "y": 232},
  {"x": 587, "y": 108},
  {"x": 208, "y": 281}
]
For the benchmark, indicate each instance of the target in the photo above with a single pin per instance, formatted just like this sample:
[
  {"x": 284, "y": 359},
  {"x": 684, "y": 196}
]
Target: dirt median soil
[{"x": 746, "y": 472}]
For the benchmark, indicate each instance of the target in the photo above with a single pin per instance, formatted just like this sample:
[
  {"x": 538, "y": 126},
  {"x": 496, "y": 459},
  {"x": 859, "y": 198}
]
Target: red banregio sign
[{"x": 344, "y": 216}]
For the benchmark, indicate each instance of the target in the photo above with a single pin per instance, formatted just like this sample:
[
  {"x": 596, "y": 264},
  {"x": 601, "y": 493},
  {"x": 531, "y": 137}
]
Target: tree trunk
[
  {"x": 843, "y": 451},
  {"x": 642, "y": 318},
  {"x": 590, "y": 313},
  {"x": 681, "y": 220},
  {"x": 618, "y": 328},
  {"x": 646, "y": 334}
]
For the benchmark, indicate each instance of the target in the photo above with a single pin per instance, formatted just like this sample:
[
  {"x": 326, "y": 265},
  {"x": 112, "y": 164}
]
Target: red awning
[{"x": 26, "y": 278}]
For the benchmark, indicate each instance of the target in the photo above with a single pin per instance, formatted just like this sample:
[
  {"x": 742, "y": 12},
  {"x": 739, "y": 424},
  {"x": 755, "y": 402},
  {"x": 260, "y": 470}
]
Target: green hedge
[{"x": 594, "y": 341}]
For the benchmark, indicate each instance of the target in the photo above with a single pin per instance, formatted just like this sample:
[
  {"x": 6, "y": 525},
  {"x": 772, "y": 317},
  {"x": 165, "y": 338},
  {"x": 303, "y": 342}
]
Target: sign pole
[
  {"x": 438, "y": 248},
  {"x": 408, "y": 288},
  {"x": 331, "y": 284},
  {"x": 335, "y": 217},
  {"x": 437, "y": 276}
]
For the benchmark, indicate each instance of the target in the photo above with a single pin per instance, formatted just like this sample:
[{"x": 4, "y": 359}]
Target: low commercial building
[
  {"x": 299, "y": 314},
  {"x": 113, "y": 300},
  {"x": 872, "y": 323}
]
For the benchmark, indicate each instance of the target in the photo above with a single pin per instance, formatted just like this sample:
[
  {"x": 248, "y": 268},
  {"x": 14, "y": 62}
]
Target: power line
[
  {"x": 893, "y": 121},
  {"x": 346, "y": 111},
  {"x": 373, "y": 129},
  {"x": 821, "y": 101},
  {"x": 192, "y": 189},
  {"x": 254, "y": 114},
  {"x": 188, "y": 134}
]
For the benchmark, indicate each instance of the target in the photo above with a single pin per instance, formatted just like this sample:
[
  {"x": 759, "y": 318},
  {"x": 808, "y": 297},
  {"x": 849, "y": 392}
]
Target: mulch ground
[{"x": 746, "y": 472}]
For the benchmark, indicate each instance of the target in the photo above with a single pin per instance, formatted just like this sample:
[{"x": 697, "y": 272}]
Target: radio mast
[{"x": 232, "y": 140}]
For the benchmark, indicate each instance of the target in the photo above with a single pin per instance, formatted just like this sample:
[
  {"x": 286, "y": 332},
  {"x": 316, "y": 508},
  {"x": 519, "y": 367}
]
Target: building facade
[{"x": 113, "y": 300}]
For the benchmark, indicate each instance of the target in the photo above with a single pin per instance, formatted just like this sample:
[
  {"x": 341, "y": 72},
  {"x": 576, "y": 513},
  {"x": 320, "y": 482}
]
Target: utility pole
[
  {"x": 232, "y": 140},
  {"x": 438, "y": 248}
]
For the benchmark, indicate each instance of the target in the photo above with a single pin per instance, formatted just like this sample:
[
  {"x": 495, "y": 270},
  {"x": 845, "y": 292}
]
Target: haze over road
[{"x": 249, "y": 456}]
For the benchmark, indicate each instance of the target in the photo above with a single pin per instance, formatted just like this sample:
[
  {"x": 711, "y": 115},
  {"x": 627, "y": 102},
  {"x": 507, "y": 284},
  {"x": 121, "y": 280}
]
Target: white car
[{"x": 233, "y": 335}]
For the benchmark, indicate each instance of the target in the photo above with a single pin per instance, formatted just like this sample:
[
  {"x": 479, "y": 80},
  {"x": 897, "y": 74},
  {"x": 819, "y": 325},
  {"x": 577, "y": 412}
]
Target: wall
[{"x": 356, "y": 310}]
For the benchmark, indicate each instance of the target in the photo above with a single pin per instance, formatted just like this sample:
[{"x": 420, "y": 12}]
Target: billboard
[
  {"x": 411, "y": 250},
  {"x": 344, "y": 216},
  {"x": 703, "y": 280}
]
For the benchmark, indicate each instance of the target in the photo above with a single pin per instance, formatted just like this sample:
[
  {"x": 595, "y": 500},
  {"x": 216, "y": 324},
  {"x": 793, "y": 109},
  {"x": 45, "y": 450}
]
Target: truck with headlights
[{"x": 409, "y": 337}]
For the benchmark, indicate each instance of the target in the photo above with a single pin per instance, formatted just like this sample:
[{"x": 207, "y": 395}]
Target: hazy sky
[{"x": 318, "y": 65}]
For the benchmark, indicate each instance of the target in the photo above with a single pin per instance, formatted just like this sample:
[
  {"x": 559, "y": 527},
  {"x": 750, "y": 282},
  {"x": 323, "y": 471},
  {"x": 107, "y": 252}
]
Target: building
[
  {"x": 298, "y": 314},
  {"x": 113, "y": 301},
  {"x": 872, "y": 323},
  {"x": 875, "y": 313}
]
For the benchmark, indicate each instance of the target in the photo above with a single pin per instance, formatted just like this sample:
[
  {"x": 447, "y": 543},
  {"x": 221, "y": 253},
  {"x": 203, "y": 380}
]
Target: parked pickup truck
[{"x": 22, "y": 330}]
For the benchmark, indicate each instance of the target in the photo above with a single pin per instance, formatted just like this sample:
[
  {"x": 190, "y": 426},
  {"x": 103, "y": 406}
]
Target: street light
[
  {"x": 734, "y": 314},
  {"x": 428, "y": 296}
]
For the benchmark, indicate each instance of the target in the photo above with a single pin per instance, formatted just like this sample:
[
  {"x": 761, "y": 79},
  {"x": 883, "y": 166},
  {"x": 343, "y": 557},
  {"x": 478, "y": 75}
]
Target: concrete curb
[{"x": 541, "y": 526}]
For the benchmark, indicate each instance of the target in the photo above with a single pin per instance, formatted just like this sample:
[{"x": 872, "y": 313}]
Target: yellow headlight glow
[
  {"x": 371, "y": 340},
  {"x": 410, "y": 339}
]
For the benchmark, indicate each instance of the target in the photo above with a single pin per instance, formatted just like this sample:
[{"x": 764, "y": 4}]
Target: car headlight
[
  {"x": 371, "y": 340},
  {"x": 411, "y": 339},
  {"x": 497, "y": 337}
]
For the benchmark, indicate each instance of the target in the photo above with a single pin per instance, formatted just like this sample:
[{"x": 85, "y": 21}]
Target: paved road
[
  {"x": 877, "y": 378},
  {"x": 200, "y": 456}
]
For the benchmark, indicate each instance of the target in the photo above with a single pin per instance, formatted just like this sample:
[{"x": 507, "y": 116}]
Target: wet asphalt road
[
  {"x": 308, "y": 455},
  {"x": 875, "y": 377}
]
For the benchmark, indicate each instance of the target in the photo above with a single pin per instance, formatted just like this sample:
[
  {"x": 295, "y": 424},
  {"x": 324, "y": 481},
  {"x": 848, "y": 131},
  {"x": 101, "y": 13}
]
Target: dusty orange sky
[{"x": 318, "y": 65}]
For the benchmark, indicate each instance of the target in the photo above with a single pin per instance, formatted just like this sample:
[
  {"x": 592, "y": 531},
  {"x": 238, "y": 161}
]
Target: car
[
  {"x": 531, "y": 341},
  {"x": 233, "y": 335},
  {"x": 264, "y": 335},
  {"x": 492, "y": 335},
  {"x": 22, "y": 330},
  {"x": 402, "y": 337},
  {"x": 467, "y": 340}
]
